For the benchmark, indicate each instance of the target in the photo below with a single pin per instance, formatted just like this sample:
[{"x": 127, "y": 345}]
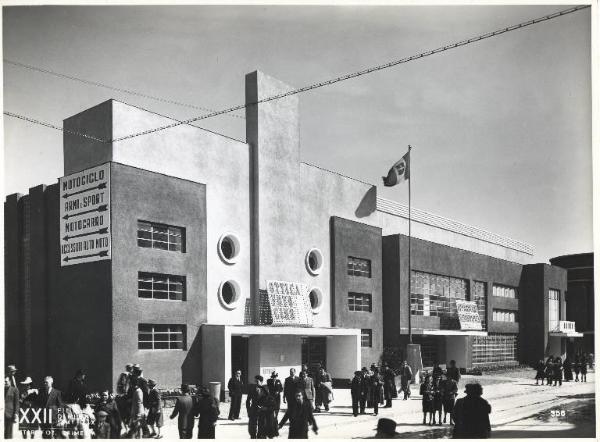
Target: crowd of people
[{"x": 555, "y": 370}]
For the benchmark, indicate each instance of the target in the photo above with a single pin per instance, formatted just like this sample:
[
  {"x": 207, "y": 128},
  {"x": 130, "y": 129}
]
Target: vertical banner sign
[
  {"x": 289, "y": 302},
  {"x": 468, "y": 315},
  {"x": 85, "y": 216}
]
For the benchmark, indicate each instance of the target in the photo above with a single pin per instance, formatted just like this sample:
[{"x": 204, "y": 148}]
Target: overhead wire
[
  {"x": 343, "y": 77},
  {"x": 112, "y": 88}
]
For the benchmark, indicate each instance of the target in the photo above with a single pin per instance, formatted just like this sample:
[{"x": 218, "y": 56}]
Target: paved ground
[{"x": 519, "y": 410}]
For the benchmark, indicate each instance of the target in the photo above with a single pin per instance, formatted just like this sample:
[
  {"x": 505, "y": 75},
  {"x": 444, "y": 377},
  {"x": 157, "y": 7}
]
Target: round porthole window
[
  {"x": 229, "y": 248},
  {"x": 316, "y": 300},
  {"x": 229, "y": 294},
  {"x": 314, "y": 261}
]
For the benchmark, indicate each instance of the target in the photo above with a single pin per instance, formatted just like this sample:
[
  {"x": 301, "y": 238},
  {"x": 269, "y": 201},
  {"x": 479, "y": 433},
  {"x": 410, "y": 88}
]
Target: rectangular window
[
  {"x": 495, "y": 348},
  {"x": 359, "y": 302},
  {"x": 161, "y": 337},
  {"x": 159, "y": 286},
  {"x": 504, "y": 291},
  {"x": 359, "y": 267},
  {"x": 161, "y": 236},
  {"x": 366, "y": 337},
  {"x": 553, "y": 309},
  {"x": 504, "y": 315},
  {"x": 436, "y": 295},
  {"x": 479, "y": 295}
]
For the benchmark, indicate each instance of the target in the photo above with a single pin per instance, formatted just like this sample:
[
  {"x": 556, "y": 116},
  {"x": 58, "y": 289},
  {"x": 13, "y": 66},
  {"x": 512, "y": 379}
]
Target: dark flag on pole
[{"x": 399, "y": 172}]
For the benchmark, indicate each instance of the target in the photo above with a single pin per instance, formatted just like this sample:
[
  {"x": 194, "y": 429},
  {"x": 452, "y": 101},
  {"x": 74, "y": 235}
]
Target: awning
[
  {"x": 566, "y": 335},
  {"x": 451, "y": 332}
]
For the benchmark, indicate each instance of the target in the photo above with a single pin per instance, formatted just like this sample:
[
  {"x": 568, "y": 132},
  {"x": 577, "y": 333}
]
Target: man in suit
[
  {"x": 207, "y": 410},
  {"x": 123, "y": 382},
  {"x": 139, "y": 379},
  {"x": 50, "y": 399},
  {"x": 184, "y": 408},
  {"x": 11, "y": 408},
  {"x": 300, "y": 415},
  {"x": 11, "y": 370},
  {"x": 254, "y": 403},
  {"x": 307, "y": 387},
  {"x": 290, "y": 385},
  {"x": 235, "y": 386}
]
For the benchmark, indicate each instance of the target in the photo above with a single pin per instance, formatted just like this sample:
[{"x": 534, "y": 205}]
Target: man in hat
[
  {"x": 386, "y": 429},
  {"x": 254, "y": 401},
  {"x": 389, "y": 385},
  {"x": 28, "y": 396},
  {"x": 11, "y": 408},
  {"x": 300, "y": 415},
  {"x": 77, "y": 390},
  {"x": 137, "y": 378},
  {"x": 155, "y": 416},
  {"x": 324, "y": 389},
  {"x": 207, "y": 410},
  {"x": 184, "y": 408},
  {"x": 307, "y": 387},
  {"x": 275, "y": 388},
  {"x": 235, "y": 386},
  {"x": 471, "y": 415},
  {"x": 123, "y": 381},
  {"x": 356, "y": 391},
  {"x": 11, "y": 370}
]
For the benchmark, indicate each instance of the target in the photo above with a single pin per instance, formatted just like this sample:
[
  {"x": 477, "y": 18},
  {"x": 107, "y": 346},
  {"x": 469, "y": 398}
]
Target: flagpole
[{"x": 410, "y": 339}]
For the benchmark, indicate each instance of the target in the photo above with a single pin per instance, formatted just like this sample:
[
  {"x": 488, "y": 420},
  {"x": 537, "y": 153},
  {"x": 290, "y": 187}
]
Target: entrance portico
[{"x": 261, "y": 350}]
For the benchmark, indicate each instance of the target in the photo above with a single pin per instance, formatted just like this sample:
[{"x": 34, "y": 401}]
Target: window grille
[
  {"x": 160, "y": 236},
  {"x": 159, "y": 286},
  {"x": 366, "y": 337},
  {"x": 495, "y": 348},
  {"x": 359, "y": 302},
  {"x": 359, "y": 267},
  {"x": 161, "y": 337}
]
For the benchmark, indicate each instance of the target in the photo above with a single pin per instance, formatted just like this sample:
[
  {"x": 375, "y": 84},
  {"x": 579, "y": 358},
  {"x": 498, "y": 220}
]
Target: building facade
[{"x": 194, "y": 254}]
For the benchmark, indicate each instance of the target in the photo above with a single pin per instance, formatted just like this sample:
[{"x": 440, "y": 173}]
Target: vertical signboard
[
  {"x": 85, "y": 216},
  {"x": 290, "y": 303}
]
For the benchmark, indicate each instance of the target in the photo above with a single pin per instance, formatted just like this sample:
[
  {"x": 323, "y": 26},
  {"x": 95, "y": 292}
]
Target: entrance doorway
[
  {"x": 239, "y": 357},
  {"x": 314, "y": 352}
]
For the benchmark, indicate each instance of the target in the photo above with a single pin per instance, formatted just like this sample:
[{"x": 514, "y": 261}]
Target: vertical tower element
[{"x": 272, "y": 133}]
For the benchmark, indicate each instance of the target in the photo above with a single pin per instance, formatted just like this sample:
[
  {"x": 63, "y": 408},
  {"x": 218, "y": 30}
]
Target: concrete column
[{"x": 273, "y": 135}]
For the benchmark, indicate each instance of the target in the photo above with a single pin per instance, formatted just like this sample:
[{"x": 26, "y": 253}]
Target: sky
[{"x": 501, "y": 129}]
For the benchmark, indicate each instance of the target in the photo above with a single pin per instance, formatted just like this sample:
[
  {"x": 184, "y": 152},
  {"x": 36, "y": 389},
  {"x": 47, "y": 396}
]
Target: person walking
[
  {"x": 584, "y": 367},
  {"x": 539, "y": 372},
  {"x": 77, "y": 390},
  {"x": 290, "y": 385},
  {"x": 577, "y": 367},
  {"x": 356, "y": 391},
  {"x": 437, "y": 400},
  {"x": 324, "y": 390},
  {"x": 557, "y": 371},
  {"x": 389, "y": 385},
  {"x": 138, "y": 411},
  {"x": 452, "y": 371},
  {"x": 449, "y": 393},
  {"x": 113, "y": 417},
  {"x": 254, "y": 402},
  {"x": 405, "y": 378},
  {"x": 300, "y": 416},
  {"x": 568, "y": 369},
  {"x": 207, "y": 411},
  {"x": 11, "y": 408},
  {"x": 549, "y": 370},
  {"x": 307, "y": 386},
  {"x": 471, "y": 415},
  {"x": 365, "y": 389},
  {"x": 50, "y": 400},
  {"x": 155, "y": 414},
  {"x": 235, "y": 386},
  {"x": 184, "y": 411},
  {"x": 376, "y": 384},
  {"x": 426, "y": 391},
  {"x": 267, "y": 424},
  {"x": 275, "y": 388}
]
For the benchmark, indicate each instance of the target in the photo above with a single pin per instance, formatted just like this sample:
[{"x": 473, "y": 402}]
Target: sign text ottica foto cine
[
  {"x": 468, "y": 315},
  {"x": 290, "y": 303},
  {"x": 85, "y": 216}
]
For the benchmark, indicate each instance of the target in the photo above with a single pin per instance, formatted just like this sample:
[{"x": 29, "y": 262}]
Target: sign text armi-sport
[{"x": 85, "y": 216}]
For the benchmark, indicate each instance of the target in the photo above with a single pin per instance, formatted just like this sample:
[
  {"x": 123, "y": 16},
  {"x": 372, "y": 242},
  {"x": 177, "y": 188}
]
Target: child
[
  {"x": 539, "y": 372},
  {"x": 155, "y": 416},
  {"x": 426, "y": 391},
  {"x": 102, "y": 430},
  {"x": 437, "y": 400}
]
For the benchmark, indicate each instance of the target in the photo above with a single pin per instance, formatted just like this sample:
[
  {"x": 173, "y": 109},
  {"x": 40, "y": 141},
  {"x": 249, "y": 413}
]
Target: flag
[{"x": 399, "y": 171}]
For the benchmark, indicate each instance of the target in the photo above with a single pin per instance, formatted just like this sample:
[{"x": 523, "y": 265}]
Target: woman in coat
[
  {"x": 549, "y": 370},
  {"x": 558, "y": 371},
  {"x": 426, "y": 392},
  {"x": 449, "y": 393},
  {"x": 577, "y": 367},
  {"x": 376, "y": 390},
  {"x": 437, "y": 400},
  {"x": 583, "y": 365}
]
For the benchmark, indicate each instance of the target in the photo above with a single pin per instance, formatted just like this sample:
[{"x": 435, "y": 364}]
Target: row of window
[
  {"x": 504, "y": 291},
  {"x": 495, "y": 348},
  {"x": 504, "y": 316},
  {"x": 173, "y": 337}
]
